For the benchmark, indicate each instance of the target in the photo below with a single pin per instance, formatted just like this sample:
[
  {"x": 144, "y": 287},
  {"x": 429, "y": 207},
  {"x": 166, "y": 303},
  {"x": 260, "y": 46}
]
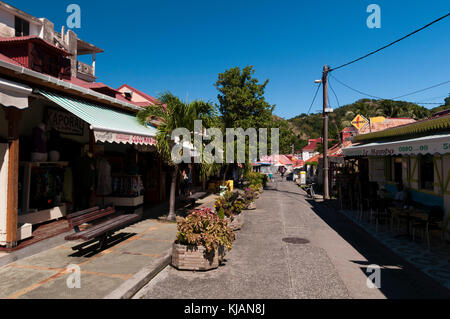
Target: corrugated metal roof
[
  {"x": 420, "y": 127},
  {"x": 34, "y": 38}
]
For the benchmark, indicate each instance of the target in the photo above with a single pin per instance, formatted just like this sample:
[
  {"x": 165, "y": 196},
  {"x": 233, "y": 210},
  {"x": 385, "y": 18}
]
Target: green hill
[{"x": 306, "y": 126}]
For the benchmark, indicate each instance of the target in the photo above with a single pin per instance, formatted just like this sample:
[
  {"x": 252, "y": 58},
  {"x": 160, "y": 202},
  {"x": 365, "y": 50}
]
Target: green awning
[{"x": 108, "y": 125}]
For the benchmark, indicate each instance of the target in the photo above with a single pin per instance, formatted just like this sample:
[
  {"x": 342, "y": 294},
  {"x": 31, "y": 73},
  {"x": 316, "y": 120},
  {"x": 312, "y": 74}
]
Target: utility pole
[{"x": 326, "y": 194}]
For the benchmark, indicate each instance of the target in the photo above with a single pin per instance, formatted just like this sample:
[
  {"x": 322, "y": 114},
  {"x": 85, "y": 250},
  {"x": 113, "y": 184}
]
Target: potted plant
[
  {"x": 249, "y": 197},
  {"x": 229, "y": 206},
  {"x": 201, "y": 241}
]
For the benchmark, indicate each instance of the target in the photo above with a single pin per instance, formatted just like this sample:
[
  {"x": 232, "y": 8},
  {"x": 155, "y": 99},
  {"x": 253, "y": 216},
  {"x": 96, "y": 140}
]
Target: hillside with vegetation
[{"x": 304, "y": 127}]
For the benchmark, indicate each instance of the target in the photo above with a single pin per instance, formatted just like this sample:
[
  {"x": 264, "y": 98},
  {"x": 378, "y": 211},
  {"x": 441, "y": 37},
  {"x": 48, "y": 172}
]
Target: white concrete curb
[{"x": 130, "y": 287}]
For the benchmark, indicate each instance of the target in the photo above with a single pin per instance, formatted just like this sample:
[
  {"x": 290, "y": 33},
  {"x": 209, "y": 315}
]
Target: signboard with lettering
[
  {"x": 64, "y": 122},
  {"x": 112, "y": 137},
  {"x": 360, "y": 122},
  {"x": 426, "y": 145}
]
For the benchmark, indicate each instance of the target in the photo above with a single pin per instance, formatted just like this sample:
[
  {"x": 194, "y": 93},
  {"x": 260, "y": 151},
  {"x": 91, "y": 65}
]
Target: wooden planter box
[{"x": 195, "y": 258}]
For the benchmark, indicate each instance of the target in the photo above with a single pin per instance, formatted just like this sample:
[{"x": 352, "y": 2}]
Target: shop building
[
  {"x": 67, "y": 142},
  {"x": 416, "y": 156}
]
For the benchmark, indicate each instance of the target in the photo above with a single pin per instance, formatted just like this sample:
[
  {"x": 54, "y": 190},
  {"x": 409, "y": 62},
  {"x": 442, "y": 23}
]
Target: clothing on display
[
  {"x": 39, "y": 139},
  {"x": 104, "y": 181},
  {"x": 127, "y": 186},
  {"x": 68, "y": 186},
  {"x": 84, "y": 180},
  {"x": 46, "y": 187}
]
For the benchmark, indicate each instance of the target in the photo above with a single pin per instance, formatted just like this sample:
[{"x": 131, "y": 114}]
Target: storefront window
[
  {"x": 388, "y": 168},
  {"x": 426, "y": 173},
  {"x": 398, "y": 177}
]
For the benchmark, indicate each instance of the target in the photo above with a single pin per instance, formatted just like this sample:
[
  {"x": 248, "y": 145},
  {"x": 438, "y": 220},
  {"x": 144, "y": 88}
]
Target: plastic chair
[{"x": 433, "y": 222}]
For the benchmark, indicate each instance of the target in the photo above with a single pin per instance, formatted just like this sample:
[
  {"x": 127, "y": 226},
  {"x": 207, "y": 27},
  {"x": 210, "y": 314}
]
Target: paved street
[{"x": 331, "y": 264}]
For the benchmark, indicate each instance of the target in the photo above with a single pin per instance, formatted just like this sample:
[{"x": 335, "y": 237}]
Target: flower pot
[
  {"x": 235, "y": 224},
  {"x": 251, "y": 206},
  {"x": 189, "y": 257}
]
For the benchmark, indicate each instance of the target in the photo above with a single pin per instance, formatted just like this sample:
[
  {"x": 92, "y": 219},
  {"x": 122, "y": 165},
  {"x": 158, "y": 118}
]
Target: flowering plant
[
  {"x": 202, "y": 227},
  {"x": 249, "y": 195}
]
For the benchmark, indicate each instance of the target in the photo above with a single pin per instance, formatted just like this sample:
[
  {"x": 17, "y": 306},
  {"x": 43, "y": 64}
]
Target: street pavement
[
  {"x": 45, "y": 275},
  {"x": 291, "y": 247}
]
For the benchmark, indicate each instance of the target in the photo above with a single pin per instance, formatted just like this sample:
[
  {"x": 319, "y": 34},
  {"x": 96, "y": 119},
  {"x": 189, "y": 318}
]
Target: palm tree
[{"x": 172, "y": 113}]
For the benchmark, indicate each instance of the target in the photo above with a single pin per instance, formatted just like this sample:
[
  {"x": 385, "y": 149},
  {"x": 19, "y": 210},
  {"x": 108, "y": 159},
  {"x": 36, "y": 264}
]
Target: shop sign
[
  {"x": 400, "y": 148},
  {"x": 111, "y": 137},
  {"x": 65, "y": 122}
]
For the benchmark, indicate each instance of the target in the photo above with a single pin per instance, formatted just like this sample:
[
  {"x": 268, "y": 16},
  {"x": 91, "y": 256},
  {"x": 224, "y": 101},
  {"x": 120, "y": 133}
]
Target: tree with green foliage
[
  {"x": 242, "y": 104},
  {"x": 241, "y": 99}
]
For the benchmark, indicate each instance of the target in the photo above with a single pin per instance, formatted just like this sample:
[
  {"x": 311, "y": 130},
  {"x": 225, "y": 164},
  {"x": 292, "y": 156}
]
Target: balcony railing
[{"x": 85, "y": 69}]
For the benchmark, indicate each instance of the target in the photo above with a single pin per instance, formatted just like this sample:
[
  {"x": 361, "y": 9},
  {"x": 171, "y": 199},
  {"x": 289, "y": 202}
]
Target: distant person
[{"x": 282, "y": 171}]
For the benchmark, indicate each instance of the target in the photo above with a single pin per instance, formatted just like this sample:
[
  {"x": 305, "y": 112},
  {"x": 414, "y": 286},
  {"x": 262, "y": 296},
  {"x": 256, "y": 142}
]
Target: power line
[
  {"x": 390, "y": 44},
  {"x": 360, "y": 92},
  {"x": 335, "y": 95},
  {"x": 434, "y": 98},
  {"x": 381, "y": 98},
  {"x": 314, "y": 99},
  {"x": 431, "y": 87}
]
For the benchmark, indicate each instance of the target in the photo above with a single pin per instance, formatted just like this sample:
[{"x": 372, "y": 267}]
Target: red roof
[
  {"x": 277, "y": 159},
  {"x": 9, "y": 60},
  {"x": 388, "y": 123},
  {"x": 150, "y": 98},
  {"x": 299, "y": 163},
  {"x": 312, "y": 144},
  {"x": 97, "y": 86},
  {"x": 34, "y": 38},
  {"x": 314, "y": 159}
]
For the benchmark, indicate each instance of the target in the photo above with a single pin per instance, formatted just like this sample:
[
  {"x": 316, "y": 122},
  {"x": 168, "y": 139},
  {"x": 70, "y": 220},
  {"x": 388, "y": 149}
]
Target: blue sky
[{"x": 181, "y": 46}]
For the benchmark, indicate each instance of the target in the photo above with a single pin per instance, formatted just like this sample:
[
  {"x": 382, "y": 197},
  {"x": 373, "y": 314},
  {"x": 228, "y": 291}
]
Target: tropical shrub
[
  {"x": 229, "y": 205},
  {"x": 256, "y": 180},
  {"x": 249, "y": 195},
  {"x": 202, "y": 227}
]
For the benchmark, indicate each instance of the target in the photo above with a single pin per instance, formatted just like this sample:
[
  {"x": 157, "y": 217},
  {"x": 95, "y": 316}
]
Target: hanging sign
[{"x": 64, "y": 122}]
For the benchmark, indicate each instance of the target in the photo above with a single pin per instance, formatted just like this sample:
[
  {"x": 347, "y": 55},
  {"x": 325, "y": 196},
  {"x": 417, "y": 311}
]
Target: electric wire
[
  {"x": 335, "y": 95},
  {"x": 390, "y": 44},
  {"x": 418, "y": 91},
  {"x": 381, "y": 98},
  {"x": 314, "y": 99}
]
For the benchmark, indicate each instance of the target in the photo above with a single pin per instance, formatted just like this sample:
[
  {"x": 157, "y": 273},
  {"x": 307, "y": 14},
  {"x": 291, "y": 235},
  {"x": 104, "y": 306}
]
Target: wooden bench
[
  {"x": 100, "y": 231},
  {"x": 195, "y": 197}
]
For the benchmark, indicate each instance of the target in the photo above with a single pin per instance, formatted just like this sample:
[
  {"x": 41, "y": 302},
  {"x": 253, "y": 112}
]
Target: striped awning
[{"x": 109, "y": 125}]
